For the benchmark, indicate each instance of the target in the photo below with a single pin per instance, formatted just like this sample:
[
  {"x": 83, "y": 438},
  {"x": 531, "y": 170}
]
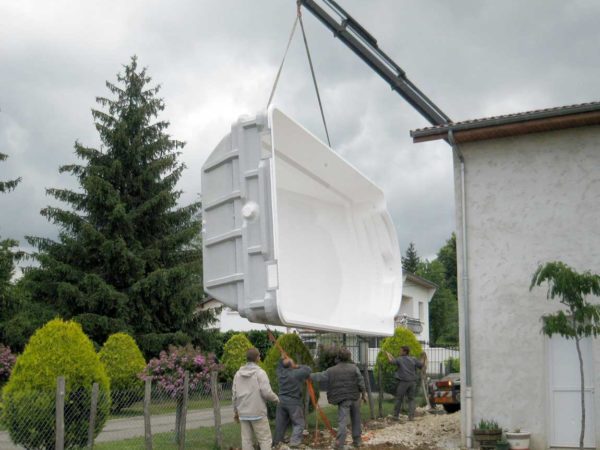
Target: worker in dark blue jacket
[{"x": 291, "y": 378}]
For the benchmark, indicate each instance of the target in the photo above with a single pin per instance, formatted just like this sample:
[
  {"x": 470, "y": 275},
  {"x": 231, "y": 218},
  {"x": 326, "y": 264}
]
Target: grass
[
  {"x": 164, "y": 407},
  {"x": 204, "y": 438}
]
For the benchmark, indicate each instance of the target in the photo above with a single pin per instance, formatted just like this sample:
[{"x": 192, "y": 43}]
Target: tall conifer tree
[
  {"x": 124, "y": 259},
  {"x": 411, "y": 261}
]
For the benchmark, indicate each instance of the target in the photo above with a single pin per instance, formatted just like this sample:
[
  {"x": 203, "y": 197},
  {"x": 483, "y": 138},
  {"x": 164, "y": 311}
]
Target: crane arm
[{"x": 363, "y": 44}]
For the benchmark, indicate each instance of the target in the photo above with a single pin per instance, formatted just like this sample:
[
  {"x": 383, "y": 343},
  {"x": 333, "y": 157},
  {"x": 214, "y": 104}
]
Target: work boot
[{"x": 357, "y": 443}]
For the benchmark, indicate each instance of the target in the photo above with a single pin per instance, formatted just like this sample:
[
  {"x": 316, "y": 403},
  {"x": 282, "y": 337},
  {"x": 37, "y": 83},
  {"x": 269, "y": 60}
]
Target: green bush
[
  {"x": 124, "y": 362},
  {"x": 152, "y": 344},
  {"x": 234, "y": 354},
  {"x": 260, "y": 340},
  {"x": 393, "y": 344},
  {"x": 328, "y": 355},
  {"x": 452, "y": 365},
  {"x": 58, "y": 348}
]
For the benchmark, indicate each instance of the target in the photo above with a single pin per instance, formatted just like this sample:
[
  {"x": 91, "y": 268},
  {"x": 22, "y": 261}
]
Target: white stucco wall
[{"x": 530, "y": 199}]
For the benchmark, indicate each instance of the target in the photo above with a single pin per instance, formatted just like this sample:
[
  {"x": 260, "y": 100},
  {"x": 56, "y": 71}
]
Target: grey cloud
[{"x": 217, "y": 60}]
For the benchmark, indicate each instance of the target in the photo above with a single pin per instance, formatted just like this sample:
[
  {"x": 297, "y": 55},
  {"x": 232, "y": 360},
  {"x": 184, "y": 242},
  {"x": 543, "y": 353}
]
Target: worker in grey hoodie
[
  {"x": 346, "y": 386},
  {"x": 251, "y": 390},
  {"x": 291, "y": 378}
]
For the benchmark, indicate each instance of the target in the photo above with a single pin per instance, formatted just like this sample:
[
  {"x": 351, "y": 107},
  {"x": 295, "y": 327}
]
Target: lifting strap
[
  {"x": 310, "y": 388},
  {"x": 282, "y": 61},
  {"x": 312, "y": 70}
]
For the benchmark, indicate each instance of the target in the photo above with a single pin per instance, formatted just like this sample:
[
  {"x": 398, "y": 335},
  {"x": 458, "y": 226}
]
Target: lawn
[
  {"x": 165, "y": 406},
  {"x": 204, "y": 438}
]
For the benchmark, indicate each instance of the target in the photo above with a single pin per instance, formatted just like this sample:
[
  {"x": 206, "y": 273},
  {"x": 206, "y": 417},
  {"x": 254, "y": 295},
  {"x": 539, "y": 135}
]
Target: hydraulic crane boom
[{"x": 361, "y": 42}]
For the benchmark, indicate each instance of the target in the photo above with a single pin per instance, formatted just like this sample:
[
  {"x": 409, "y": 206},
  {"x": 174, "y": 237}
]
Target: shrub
[
  {"x": 152, "y": 344},
  {"x": 327, "y": 356},
  {"x": 234, "y": 354},
  {"x": 58, "y": 348},
  {"x": 260, "y": 340},
  {"x": 452, "y": 365},
  {"x": 295, "y": 348},
  {"x": 402, "y": 336},
  {"x": 124, "y": 362},
  {"x": 7, "y": 361},
  {"x": 168, "y": 370}
]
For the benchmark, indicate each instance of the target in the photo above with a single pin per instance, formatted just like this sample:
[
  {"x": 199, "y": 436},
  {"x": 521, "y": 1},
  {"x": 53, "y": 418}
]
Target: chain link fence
[{"x": 146, "y": 416}]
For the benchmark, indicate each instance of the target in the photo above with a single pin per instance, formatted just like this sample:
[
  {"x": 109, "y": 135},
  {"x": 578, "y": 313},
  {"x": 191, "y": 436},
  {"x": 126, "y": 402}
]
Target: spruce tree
[
  {"x": 410, "y": 262},
  {"x": 124, "y": 259},
  {"x": 10, "y": 296}
]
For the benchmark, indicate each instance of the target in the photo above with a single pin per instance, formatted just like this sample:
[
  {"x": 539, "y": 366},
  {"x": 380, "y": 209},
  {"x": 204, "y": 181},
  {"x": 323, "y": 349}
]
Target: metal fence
[
  {"x": 146, "y": 417},
  {"x": 441, "y": 360}
]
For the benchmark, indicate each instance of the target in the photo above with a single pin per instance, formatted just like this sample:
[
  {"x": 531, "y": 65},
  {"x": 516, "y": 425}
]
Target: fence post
[
  {"x": 147, "y": 400},
  {"x": 60, "y": 413},
  {"x": 214, "y": 390},
  {"x": 93, "y": 409},
  {"x": 369, "y": 394},
  {"x": 380, "y": 385},
  {"x": 184, "y": 407}
]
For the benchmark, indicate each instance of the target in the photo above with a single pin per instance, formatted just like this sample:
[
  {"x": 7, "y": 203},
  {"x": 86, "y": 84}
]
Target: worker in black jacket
[
  {"x": 291, "y": 378},
  {"x": 346, "y": 386}
]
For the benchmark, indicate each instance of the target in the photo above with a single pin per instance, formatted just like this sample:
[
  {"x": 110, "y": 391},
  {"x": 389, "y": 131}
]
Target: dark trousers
[
  {"x": 348, "y": 409},
  {"x": 405, "y": 389},
  {"x": 289, "y": 412}
]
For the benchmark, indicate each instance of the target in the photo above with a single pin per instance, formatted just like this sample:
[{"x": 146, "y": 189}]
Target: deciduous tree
[{"x": 579, "y": 319}]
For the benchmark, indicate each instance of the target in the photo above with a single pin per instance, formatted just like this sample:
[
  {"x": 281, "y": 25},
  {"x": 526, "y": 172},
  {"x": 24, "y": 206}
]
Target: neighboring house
[
  {"x": 229, "y": 319},
  {"x": 527, "y": 190},
  {"x": 417, "y": 292}
]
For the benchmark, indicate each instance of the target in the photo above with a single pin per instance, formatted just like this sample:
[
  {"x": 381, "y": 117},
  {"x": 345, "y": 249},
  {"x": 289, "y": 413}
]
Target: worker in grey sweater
[
  {"x": 291, "y": 378},
  {"x": 346, "y": 386},
  {"x": 406, "y": 374},
  {"x": 250, "y": 391}
]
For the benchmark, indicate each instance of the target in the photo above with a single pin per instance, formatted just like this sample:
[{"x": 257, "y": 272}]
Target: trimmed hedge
[
  {"x": 58, "y": 348},
  {"x": 152, "y": 344},
  {"x": 234, "y": 354},
  {"x": 393, "y": 344},
  {"x": 124, "y": 363}
]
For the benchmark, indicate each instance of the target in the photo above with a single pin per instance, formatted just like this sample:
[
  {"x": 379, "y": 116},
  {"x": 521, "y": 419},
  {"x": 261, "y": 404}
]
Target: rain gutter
[{"x": 467, "y": 392}]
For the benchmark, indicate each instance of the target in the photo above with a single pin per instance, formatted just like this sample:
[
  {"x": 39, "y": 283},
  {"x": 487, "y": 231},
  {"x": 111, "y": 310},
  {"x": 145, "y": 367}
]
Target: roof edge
[{"x": 514, "y": 124}]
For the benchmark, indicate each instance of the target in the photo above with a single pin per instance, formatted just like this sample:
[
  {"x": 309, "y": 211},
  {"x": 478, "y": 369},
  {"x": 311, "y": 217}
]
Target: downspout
[{"x": 467, "y": 392}]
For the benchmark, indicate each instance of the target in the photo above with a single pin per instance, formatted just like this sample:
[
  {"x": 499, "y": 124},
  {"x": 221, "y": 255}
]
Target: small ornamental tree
[
  {"x": 124, "y": 362},
  {"x": 393, "y": 344},
  {"x": 168, "y": 371},
  {"x": 7, "y": 362},
  {"x": 234, "y": 354},
  {"x": 579, "y": 320},
  {"x": 57, "y": 349}
]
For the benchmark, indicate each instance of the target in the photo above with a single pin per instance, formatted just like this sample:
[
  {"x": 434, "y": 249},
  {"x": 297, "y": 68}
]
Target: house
[
  {"x": 527, "y": 189},
  {"x": 229, "y": 319}
]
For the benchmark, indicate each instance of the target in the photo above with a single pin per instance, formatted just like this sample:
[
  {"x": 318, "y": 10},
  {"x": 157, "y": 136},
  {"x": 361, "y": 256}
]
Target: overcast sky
[{"x": 216, "y": 60}]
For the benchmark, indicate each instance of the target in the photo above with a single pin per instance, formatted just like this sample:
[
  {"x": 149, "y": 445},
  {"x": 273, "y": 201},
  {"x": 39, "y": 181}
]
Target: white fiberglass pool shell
[{"x": 294, "y": 235}]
